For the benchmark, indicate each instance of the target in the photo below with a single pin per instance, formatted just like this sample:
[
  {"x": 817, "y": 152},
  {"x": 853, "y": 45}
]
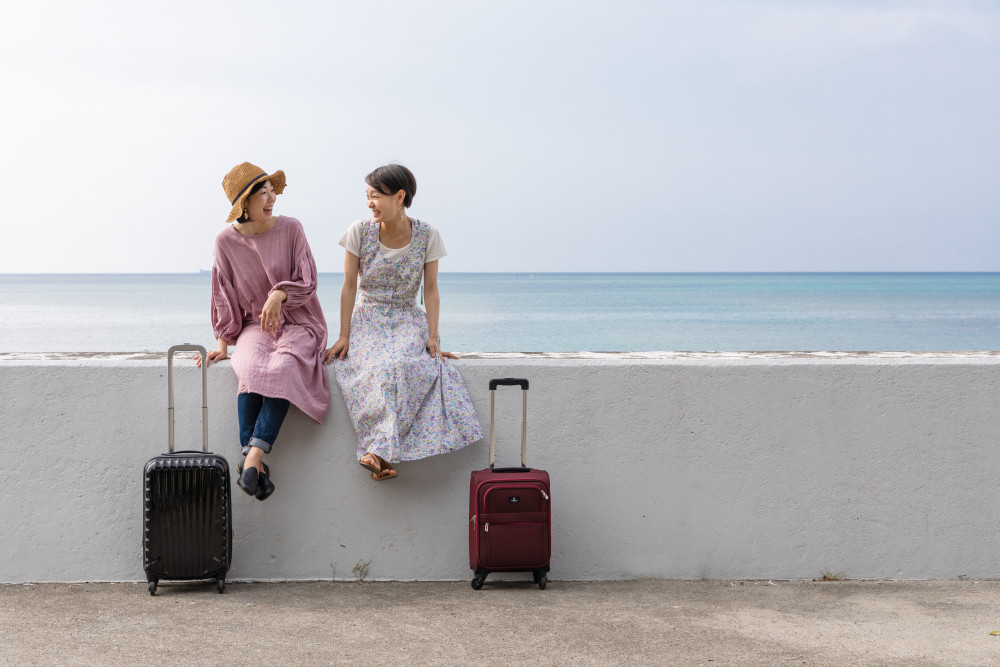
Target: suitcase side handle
[
  {"x": 204, "y": 392},
  {"x": 523, "y": 383},
  {"x": 520, "y": 382}
]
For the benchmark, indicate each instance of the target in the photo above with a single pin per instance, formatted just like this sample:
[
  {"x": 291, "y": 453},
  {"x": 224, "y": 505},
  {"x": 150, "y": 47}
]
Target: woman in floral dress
[{"x": 406, "y": 400}]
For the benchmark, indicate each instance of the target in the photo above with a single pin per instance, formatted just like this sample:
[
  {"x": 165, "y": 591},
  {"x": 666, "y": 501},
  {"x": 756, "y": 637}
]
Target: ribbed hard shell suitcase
[
  {"x": 187, "y": 510},
  {"x": 510, "y": 522}
]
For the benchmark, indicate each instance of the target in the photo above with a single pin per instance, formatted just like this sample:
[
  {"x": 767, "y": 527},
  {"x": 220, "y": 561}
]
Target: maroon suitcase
[{"x": 510, "y": 523}]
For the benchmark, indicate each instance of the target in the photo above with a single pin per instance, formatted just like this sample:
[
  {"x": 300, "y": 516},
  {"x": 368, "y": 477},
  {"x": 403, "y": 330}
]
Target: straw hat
[{"x": 241, "y": 179}]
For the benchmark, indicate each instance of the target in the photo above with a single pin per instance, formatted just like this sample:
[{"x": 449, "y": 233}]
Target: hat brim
[{"x": 277, "y": 182}]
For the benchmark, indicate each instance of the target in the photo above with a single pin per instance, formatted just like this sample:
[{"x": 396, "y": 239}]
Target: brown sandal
[
  {"x": 387, "y": 473},
  {"x": 382, "y": 472},
  {"x": 372, "y": 463}
]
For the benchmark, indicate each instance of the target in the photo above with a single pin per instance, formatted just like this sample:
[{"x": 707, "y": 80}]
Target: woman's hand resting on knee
[{"x": 270, "y": 314}]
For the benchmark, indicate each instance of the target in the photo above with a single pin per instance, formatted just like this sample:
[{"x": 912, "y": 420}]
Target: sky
[{"x": 550, "y": 135}]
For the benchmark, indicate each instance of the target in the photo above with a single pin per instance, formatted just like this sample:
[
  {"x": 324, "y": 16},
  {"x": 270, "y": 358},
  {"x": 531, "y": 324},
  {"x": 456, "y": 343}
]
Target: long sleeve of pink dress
[{"x": 288, "y": 364}]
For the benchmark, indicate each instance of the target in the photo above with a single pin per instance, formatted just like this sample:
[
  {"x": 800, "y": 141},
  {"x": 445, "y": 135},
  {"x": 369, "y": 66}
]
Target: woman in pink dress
[{"x": 264, "y": 302}]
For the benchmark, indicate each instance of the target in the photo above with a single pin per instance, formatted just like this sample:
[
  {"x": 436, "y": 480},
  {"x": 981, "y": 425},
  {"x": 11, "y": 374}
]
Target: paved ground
[{"x": 570, "y": 623}]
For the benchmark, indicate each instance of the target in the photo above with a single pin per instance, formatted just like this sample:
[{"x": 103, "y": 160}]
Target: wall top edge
[{"x": 560, "y": 358}]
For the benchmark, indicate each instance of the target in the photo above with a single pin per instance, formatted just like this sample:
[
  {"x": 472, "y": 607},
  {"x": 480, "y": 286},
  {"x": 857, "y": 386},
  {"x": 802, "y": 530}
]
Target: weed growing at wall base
[{"x": 360, "y": 570}]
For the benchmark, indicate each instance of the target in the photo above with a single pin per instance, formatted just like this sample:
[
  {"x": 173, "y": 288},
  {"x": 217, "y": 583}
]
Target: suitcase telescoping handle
[
  {"x": 204, "y": 392},
  {"x": 523, "y": 384}
]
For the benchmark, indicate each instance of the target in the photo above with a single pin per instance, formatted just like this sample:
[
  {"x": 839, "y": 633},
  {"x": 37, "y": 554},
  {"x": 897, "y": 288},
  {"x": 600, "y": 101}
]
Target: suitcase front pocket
[
  {"x": 519, "y": 498},
  {"x": 515, "y": 541}
]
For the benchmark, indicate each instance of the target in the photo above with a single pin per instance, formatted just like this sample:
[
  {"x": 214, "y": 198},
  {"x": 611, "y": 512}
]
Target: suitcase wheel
[
  {"x": 221, "y": 585},
  {"x": 152, "y": 588},
  {"x": 540, "y": 579},
  {"x": 479, "y": 578}
]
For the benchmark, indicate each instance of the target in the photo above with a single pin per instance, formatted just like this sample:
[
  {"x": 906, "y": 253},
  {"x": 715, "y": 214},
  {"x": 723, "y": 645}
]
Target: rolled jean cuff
[{"x": 258, "y": 443}]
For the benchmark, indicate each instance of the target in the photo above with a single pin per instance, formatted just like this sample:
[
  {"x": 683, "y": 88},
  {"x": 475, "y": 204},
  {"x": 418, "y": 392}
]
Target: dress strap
[{"x": 369, "y": 244}]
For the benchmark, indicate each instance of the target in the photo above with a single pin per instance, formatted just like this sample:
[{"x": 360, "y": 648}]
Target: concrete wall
[{"x": 674, "y": 465}]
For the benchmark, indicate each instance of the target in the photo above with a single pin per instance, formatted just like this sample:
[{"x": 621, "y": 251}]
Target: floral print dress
[{"x": 405, "y": 404}]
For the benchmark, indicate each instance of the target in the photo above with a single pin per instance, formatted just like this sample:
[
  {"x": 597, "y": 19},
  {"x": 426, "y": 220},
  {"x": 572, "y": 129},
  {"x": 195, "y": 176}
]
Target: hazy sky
[{"x": 547, "y": 135}]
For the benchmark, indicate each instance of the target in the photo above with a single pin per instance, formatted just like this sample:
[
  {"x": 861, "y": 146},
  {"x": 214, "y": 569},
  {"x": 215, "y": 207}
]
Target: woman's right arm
[
  {"x": 227, "y": 316},
  {"x": 348, "y": 295}
]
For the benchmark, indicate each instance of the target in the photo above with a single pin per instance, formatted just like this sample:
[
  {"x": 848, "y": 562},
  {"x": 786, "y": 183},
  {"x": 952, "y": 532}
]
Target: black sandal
[
  {"x": 248, "y": 480},
  {"x": 263, "y": 488}
]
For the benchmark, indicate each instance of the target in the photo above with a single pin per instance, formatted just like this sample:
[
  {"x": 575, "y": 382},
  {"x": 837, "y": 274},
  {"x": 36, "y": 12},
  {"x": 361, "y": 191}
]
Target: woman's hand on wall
[
  {"x": 434, "y": 347},
  {"x": 270, "y": 314},
  {"x": 218, "y": 354},
  {"x": 338, "y": 349}
]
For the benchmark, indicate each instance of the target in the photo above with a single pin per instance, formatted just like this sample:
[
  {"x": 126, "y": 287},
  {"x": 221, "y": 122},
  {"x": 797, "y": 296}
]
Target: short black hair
[{"x": 392, "y": 178}]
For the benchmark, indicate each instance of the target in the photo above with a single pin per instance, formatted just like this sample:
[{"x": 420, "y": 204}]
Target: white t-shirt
[{"x": 351, "y": 241}]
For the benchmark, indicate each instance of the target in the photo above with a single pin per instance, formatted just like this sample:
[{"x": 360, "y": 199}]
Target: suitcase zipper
[
  {"x": 486, "y": 527},
  {"x": 473, "y": 520},
  {"x": 532, "y": 487}
]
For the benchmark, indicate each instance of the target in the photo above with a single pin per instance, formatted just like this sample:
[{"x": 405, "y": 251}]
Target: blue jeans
[{"x": 260, "y": 419}]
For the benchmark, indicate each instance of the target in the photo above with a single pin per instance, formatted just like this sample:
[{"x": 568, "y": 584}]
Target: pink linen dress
[{"x": 288, "y": 364}]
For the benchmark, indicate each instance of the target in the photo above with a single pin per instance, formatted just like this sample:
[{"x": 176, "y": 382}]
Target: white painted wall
[{"x": 682, "y": 466}]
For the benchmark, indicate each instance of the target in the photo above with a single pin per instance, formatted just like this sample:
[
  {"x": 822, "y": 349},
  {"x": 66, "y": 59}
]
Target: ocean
[{"x": 550, "y": 312}]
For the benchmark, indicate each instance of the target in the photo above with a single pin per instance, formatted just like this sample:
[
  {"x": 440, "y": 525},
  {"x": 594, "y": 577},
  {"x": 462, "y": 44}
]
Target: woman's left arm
[
  {"x": 432, "y": 302},
  {"x": 301, "y": 285}
]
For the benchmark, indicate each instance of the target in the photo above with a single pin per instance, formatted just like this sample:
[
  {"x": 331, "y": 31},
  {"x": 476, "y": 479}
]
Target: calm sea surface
[{"x": 554, "y": 312}]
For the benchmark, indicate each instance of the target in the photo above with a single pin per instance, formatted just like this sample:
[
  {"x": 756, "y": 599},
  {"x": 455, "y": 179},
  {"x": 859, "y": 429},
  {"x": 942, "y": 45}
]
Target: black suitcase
[{"x": 187, "y": 511}]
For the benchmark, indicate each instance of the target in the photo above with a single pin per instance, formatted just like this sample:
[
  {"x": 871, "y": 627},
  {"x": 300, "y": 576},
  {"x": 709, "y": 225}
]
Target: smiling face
[
  {"x": 260, "y": 204},
  {"x": 384, "y": 207}
]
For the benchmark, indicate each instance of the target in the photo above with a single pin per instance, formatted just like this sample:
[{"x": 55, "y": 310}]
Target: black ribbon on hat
[{"x": 245, "y": 188}]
